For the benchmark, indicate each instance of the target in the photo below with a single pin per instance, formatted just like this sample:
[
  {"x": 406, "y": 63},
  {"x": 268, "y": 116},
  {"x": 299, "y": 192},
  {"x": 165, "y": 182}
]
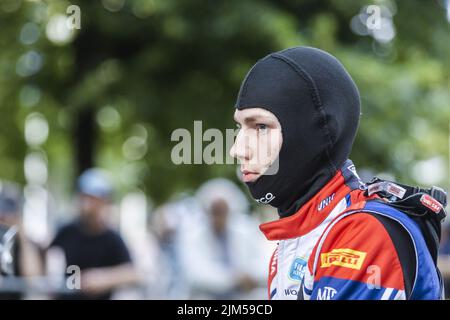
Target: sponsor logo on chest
[
  {"x": 326, "y": 293},
  {"x": 347, "y": 258},
  {"x": 325, "y": 202},
  {"x": 297, "y": 269}
]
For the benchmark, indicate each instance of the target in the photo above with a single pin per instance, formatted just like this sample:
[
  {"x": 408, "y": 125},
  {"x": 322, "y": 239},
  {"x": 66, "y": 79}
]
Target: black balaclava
[{"x": 318, "y": 106}]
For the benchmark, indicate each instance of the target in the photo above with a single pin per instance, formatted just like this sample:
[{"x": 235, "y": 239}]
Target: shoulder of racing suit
[{"x": 371, "y": 251}]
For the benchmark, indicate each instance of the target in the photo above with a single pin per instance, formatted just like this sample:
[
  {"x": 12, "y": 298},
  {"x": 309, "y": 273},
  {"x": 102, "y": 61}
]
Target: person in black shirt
[{"x": 89, "y": 243}]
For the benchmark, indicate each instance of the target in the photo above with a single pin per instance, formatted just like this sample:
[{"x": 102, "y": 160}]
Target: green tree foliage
[{"x": 115, "y": 90}]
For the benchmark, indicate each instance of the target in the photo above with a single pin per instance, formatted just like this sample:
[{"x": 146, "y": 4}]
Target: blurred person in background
[
  {"x": 167, "y": 224},
  {"x": 91, "y": 244},
  {"x": 20, "y": 258},
  {"x": 222, "y": 254}
]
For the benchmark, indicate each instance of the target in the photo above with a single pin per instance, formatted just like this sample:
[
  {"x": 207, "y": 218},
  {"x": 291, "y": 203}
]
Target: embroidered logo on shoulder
[
  {"x": 347, "y": 258},
  {"x": 326, "y": 202},
  {"x": 431, "y": 203},
  {"x": 352, "y": 169}
]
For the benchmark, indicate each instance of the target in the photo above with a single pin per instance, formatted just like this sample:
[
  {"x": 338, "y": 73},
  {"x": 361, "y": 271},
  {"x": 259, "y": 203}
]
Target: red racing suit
[{"x": 340, "y": 246}]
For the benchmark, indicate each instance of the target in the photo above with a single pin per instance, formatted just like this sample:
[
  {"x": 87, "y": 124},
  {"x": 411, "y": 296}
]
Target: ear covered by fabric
[{"x": 318, "y": 106}]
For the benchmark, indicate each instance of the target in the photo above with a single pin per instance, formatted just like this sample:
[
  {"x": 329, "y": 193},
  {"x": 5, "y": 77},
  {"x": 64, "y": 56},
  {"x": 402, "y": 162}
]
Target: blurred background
[{"x": 108, "y": 90}]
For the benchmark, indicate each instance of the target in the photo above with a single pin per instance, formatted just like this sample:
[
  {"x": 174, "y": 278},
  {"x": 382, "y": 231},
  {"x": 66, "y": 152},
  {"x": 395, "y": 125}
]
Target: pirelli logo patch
[{"x": 347, "y": 258}]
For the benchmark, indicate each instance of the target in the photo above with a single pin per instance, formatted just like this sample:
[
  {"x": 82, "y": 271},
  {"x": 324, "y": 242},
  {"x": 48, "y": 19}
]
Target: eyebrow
[{"x": 253, "y": 119}]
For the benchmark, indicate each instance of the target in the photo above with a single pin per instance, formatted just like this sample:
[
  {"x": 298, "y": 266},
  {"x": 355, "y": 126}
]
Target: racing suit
[{"x": 341, "y": 245}]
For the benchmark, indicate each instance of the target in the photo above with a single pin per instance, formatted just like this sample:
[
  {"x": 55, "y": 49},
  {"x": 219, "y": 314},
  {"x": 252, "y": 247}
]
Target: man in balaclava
[{"x": 302, "y": 108}]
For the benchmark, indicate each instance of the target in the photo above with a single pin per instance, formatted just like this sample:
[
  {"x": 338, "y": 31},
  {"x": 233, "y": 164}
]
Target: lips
[{"x": 249, "y": 176}]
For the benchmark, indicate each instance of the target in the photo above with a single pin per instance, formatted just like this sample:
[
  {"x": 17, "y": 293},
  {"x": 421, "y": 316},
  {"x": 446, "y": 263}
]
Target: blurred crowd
[{"x": 201, "y": 246}]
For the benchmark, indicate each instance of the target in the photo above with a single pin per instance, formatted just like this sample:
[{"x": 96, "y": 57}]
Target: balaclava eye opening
[{"x": 318, "y": 106}]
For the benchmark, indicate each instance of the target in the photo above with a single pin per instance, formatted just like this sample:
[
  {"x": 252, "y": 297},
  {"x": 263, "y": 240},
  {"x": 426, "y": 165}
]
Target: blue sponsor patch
[{"x": 298, "y": 268}]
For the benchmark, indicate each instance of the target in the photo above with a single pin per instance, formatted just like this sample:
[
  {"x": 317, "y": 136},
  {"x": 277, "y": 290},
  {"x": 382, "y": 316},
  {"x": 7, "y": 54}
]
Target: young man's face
[{"x": 258, "y": 142}]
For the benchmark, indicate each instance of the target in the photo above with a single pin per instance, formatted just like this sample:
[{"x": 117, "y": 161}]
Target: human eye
[{"x": 262, "y": 127}]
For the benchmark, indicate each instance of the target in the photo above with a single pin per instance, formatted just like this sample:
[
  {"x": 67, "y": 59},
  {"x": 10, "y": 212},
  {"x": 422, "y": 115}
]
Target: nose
[{"x": 240, "y": 149}]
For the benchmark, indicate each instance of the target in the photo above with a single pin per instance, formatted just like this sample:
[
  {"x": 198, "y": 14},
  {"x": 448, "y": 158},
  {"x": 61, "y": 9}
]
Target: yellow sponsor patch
[{"x": 347, "y": 258}]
